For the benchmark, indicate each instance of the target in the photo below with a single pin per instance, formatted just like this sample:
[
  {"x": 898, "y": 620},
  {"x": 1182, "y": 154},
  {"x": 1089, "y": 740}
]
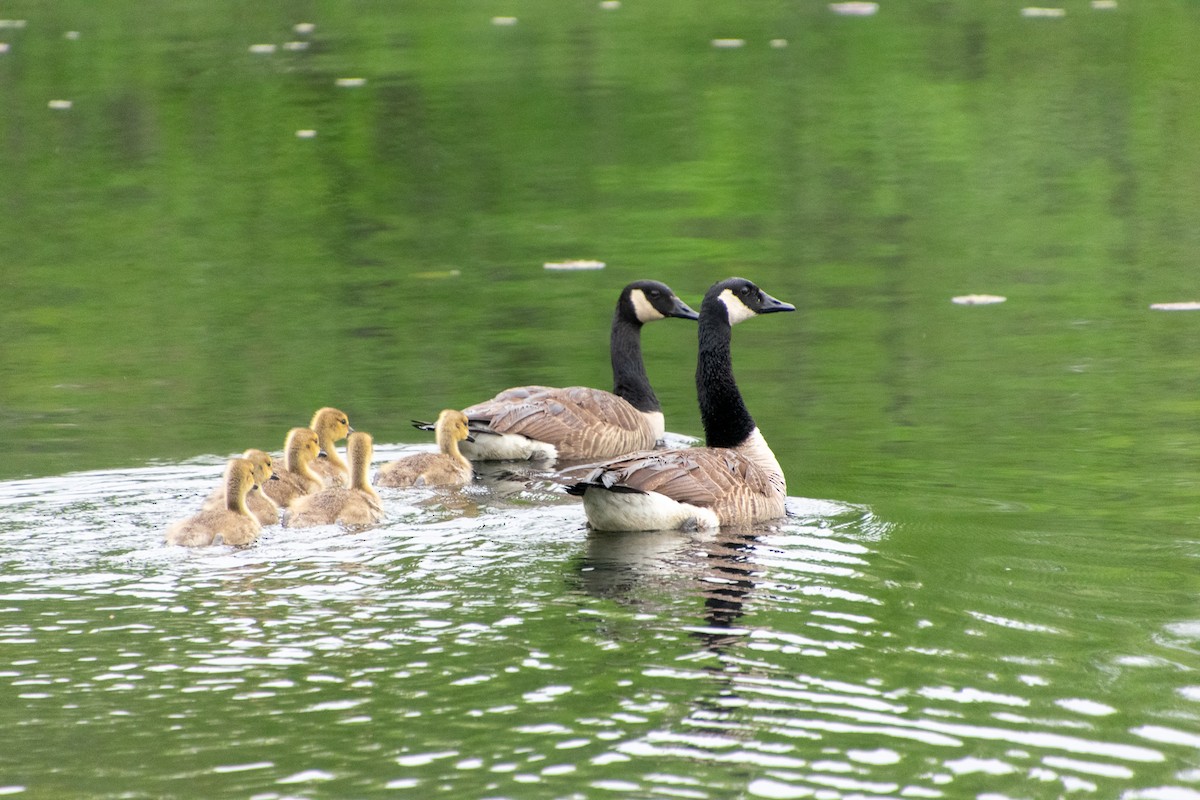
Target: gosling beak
[{"x": 470, "y": 437}]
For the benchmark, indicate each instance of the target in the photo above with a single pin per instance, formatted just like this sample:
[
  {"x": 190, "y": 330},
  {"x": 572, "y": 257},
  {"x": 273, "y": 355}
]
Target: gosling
[
  {"x": 355, "y": 506},
  {"x": 331, "y": 425},
  {"x": 445, "y": 468},
  {"x": 232, "y": 524},
  {"x": 260, "y": 506},
  {"x": 297, "y": 477}
]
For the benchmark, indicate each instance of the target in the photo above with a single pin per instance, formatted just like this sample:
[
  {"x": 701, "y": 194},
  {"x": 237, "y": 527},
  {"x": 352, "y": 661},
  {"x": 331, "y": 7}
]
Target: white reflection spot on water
[
  {"x": 970, "y": 695},
  {"x": 776, "y": 790},
  {"x": 504, "y": 22},
  {"x": 308, "y": 776},
  {"x": 350, "y": 83},
  {"x": 854, "y": 9},
  {"x": 1160, "y": 733},
  {"x": 728, "y": 44},
  {"x": 987, "y": 766},
  {"x": 977, "y": 299},
  {"x": 220, "y": 770},
  {"x": 1037, "y": 12},
  {"x": 403, "y": 783},
  {"x": 304, "y": 28},
  {"x": 882, "y": 756},
  {"x": 1088, "y": 767},
  {"x": 422, "y": 759},
  {"x": 1089, "y": 707},
  {"x": 262, "y": 49},
  {"x": 59, "y": 105}
]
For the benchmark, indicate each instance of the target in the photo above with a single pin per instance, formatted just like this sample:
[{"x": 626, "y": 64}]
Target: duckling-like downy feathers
[
  {"x": 734, "y": 480},
  {"x": 232, "y": 524},
  {"x": 331, "y": 425},
  {"x": 259, "y": 504},
  {"x": 356, "y": 505},
  {"x": 297, "y": 478},
  {"x": 447, "y": 467},
  {"x": 578, "y": 422}
]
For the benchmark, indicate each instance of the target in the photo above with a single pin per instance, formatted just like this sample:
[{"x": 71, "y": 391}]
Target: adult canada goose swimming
[
  {"x": 297, "y": 478},
  {"x": 232, "y": 524},
  {"x": 733, "y": 480},
  {"x": 448, "y": 467},
  {"x": 262, "y": 507},
  {"x": 358, "y": 504},
  {"x": 580, "y": 423},
  {"x": 331, "y": 426}
]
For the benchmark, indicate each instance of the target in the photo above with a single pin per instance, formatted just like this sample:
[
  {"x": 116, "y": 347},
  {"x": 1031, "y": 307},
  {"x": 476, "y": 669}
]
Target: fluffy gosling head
[
  {"x": 264, "y": 465},
  {"x": 302, "y": 447},
  {"x": 331, "y": 424},
  {"x": 451, "y": 427}
]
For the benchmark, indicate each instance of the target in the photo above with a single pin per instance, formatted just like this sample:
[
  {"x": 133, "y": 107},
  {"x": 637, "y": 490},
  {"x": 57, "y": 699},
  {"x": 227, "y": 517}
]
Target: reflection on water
[{"x": 486, "y": 644}]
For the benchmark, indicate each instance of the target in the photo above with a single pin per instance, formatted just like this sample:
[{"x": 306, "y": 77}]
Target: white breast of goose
[
  {"x": 506, "y": 447},
  {"x": 645, "y": 511}
]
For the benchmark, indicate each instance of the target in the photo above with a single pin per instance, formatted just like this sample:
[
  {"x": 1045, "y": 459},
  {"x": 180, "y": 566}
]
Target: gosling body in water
[
  {"x": 297, "y": 478},
  {"x": 448, "y": 467},
  {"x": 331, "y": 426},
  {"x": 232, "y": 524},
  {"x": 262, "y": 507},
  {"x": 355, "y": 505}
]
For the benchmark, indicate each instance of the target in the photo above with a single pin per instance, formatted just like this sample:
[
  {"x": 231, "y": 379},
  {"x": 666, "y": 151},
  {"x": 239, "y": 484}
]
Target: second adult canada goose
[
  {"x": 578, "y": 423},
  {"x": 259, "y": 504},
  {"x": 331, "y": 425},
  {"x": 734, "y": 480},
  {"x": 357, "y": 504},
  {"x": 232, "y": 524},
  {"x": 300, "y": 450},
  {"x": 447, "y": 467}
]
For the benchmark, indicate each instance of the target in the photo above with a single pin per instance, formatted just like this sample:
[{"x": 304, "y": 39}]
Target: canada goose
[
  {"x": 580, "y": 423},
  {"x": 297, "y": 478},
  {"x": 331, "y": 426},
  {"x": 263, "y": 508},
  {"x": 232, "y": 524},
  {"x": 445, "y": 468},
  {"x": 357, "y": 505},
  {"x": 734, "y": 480}
]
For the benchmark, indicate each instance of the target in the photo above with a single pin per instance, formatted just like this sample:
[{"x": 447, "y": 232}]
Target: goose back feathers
[{"x": 578, "y": 422}]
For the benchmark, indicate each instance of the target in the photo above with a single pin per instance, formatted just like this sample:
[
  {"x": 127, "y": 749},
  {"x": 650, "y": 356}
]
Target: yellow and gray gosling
[
  {"x": 448, "y": 467},
  {"x": 296, "y": 479},
  {"x": 357, "y": 505},
  {"x": 262, "y": 507},
  {"x": 232, "y": 524},
  {"x": 331, "y": 425}
]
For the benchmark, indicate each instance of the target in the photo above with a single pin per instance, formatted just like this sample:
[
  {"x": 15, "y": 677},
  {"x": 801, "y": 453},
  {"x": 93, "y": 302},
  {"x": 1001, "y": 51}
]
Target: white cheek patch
[
  {"x": 642, "y": 307},
  {"x": 737, "y": 310}
]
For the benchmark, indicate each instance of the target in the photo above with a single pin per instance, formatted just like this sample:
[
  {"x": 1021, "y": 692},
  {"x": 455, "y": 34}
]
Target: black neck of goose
[
  {"x": 727, "y": 423},
  {"x": 629, "y": 371}
]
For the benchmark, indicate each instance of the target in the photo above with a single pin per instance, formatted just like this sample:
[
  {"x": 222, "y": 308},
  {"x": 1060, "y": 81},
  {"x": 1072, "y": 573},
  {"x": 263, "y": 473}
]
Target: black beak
[
  {"x": 683, "y": 310},
  {"x": 770, "y": 304}
]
